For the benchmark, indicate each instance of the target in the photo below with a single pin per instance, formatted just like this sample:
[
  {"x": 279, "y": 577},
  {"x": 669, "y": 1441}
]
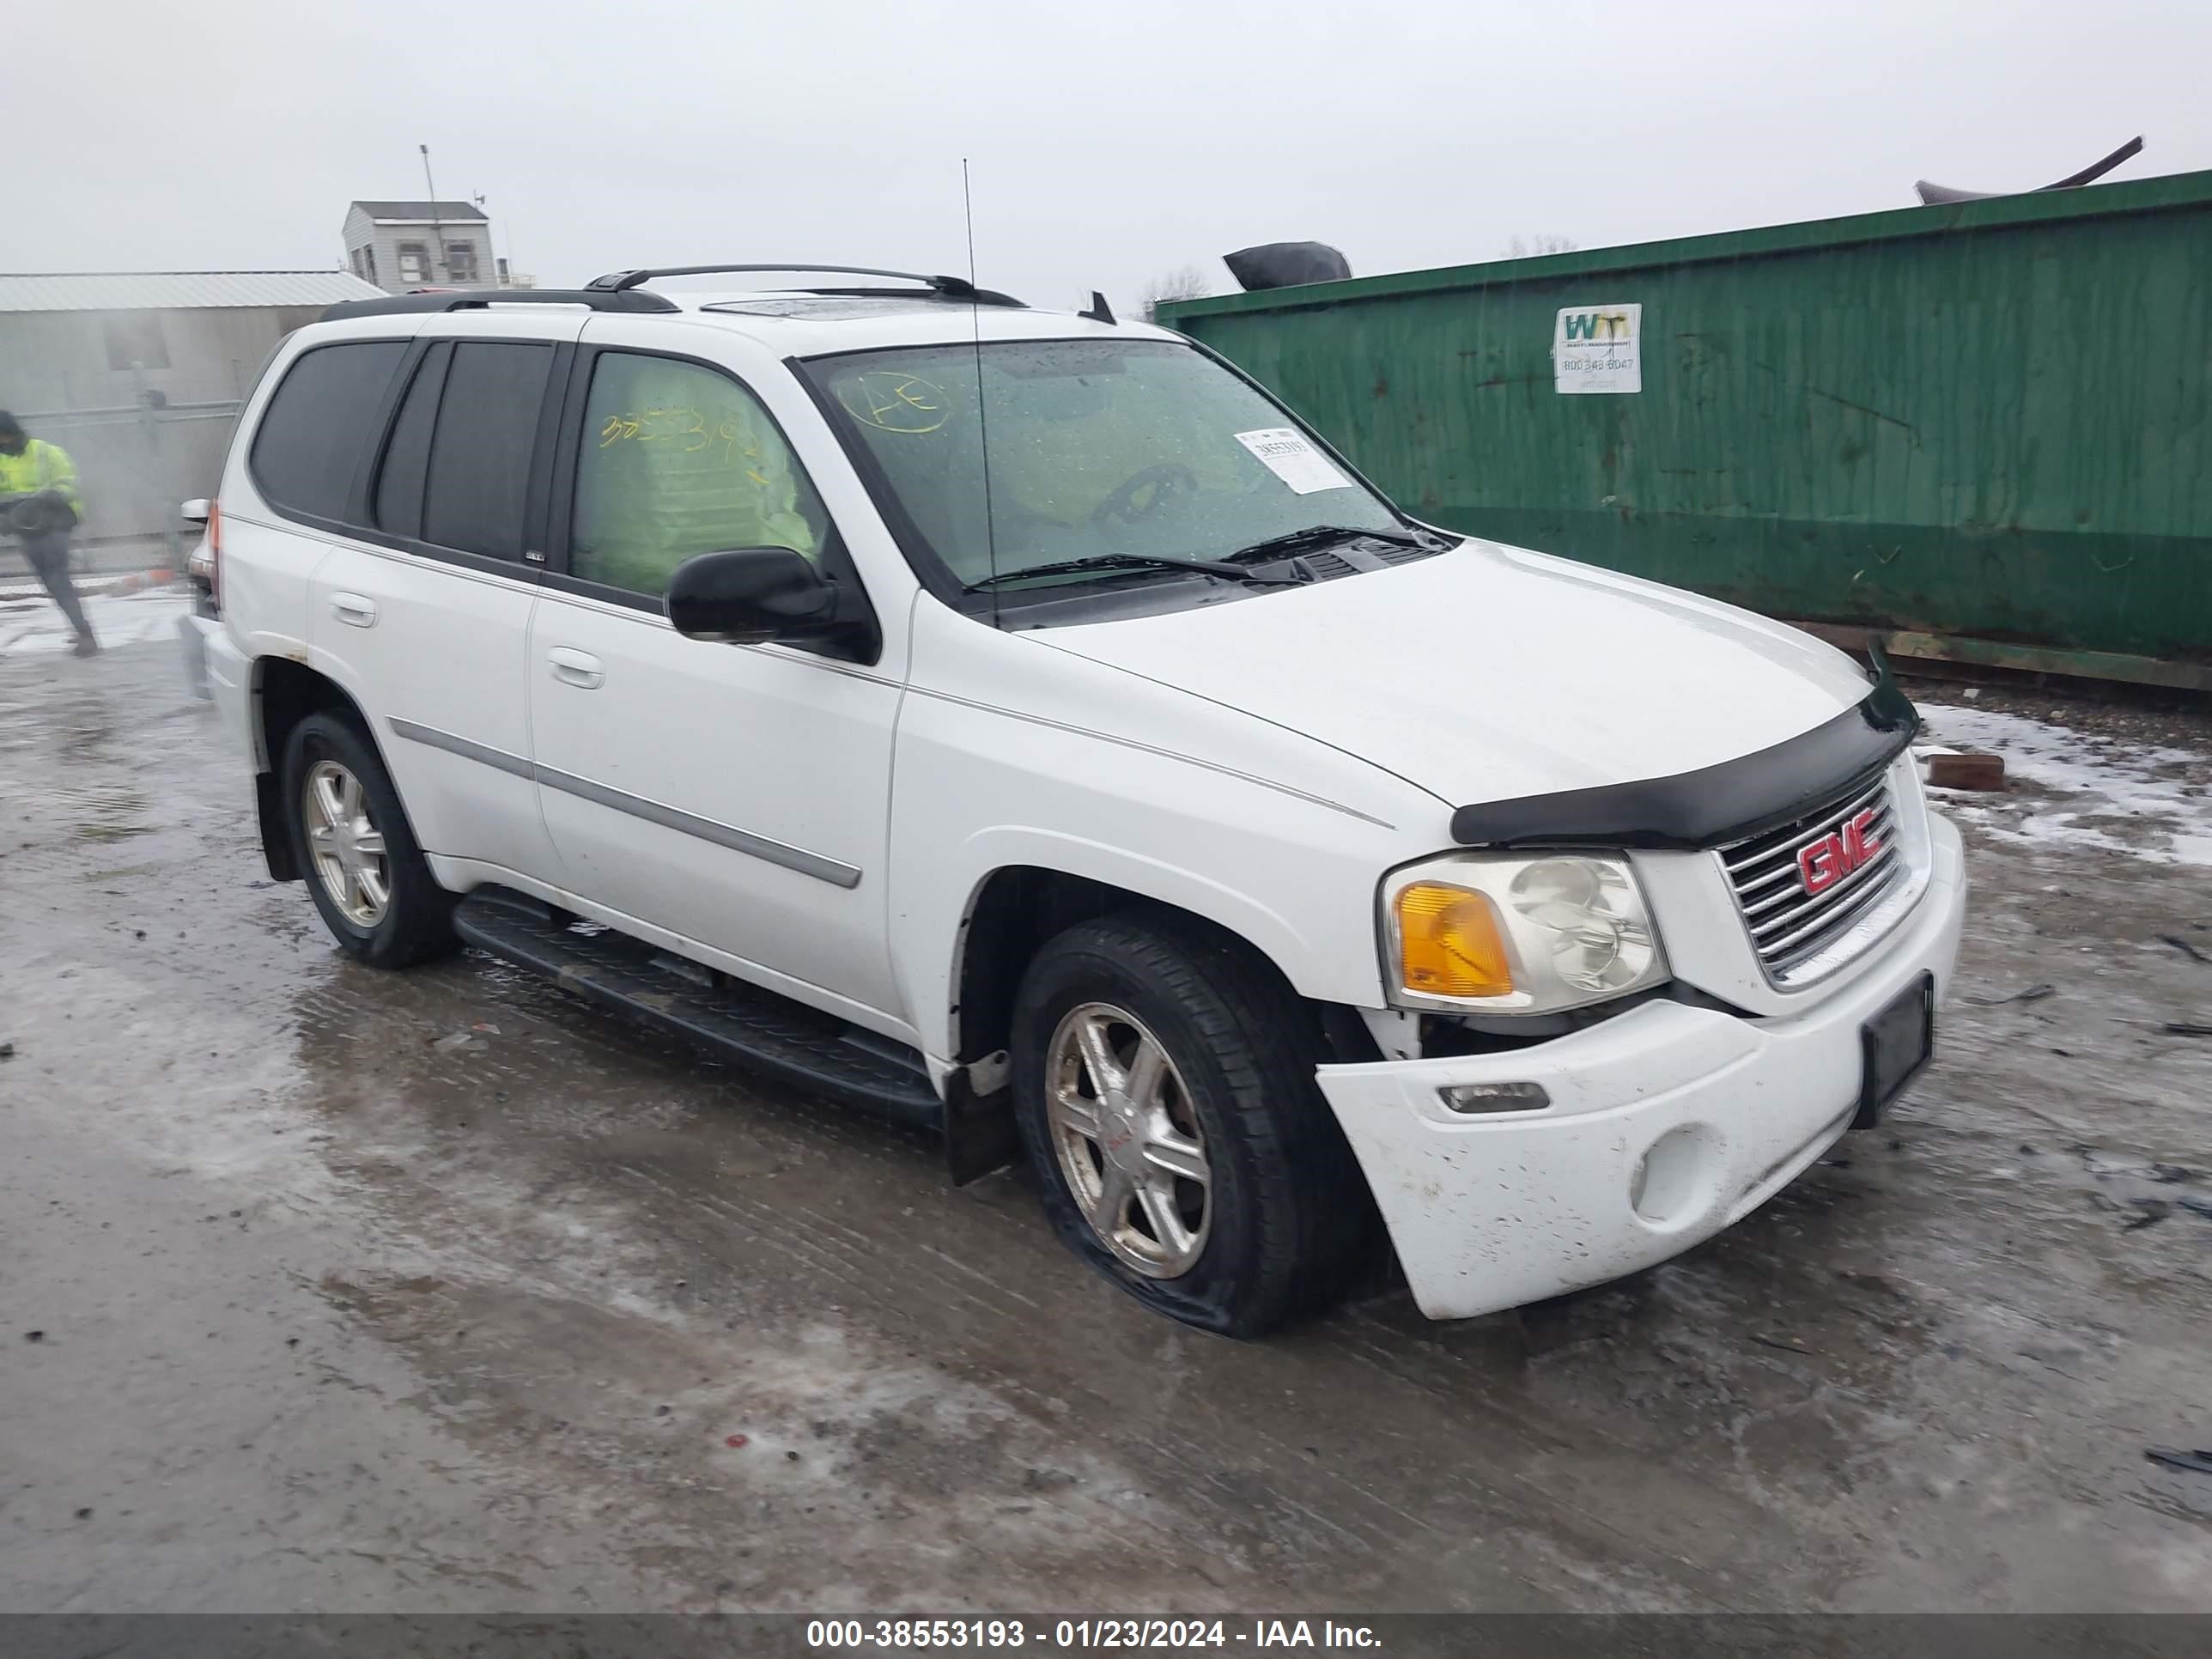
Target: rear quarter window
[{"x": 315, "y": 436}]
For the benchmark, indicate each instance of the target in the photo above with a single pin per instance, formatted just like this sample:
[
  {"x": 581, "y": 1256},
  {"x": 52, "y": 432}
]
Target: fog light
[
  {"x": 1474, "y": 1098},
  {"x": 1672, "y": 1183}
]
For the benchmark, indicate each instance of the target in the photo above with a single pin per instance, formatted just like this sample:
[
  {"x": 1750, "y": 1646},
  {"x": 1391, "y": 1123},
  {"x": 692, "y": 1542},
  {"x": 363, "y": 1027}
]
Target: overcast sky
[{"x": 1110, "y": 142}]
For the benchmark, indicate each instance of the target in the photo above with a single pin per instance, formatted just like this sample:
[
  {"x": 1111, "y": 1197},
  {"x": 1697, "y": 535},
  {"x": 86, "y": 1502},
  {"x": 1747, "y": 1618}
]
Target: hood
[{"x": 1487, "y": 673}]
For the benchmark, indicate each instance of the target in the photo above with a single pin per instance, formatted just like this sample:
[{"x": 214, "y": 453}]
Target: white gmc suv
[{"x": 1020, "y": 722}]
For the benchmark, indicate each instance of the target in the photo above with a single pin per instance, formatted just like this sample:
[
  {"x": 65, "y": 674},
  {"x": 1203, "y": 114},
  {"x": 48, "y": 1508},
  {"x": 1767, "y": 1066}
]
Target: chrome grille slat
[
  {"x": 1832, "y": 921},
  {"x": 1760, "y": 869},
  {"x": 1883, "y": 826},
  {"x": 1786, "y": 839},
  {"x": 1843, "y": 923},
  {"x": 1742, "y": 888},
  {"x": 1763, "y": 927},
  {"x": 1788, "y": 926}
]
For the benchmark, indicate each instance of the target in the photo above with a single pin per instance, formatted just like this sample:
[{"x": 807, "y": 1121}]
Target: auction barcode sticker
[{"x": 1285, "y": 452}]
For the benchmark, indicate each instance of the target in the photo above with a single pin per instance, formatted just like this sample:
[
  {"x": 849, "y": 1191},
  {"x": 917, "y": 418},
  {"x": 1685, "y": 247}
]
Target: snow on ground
[
  {"x": 30, "y": 626},
  {"x": 2078, "y": 788}
]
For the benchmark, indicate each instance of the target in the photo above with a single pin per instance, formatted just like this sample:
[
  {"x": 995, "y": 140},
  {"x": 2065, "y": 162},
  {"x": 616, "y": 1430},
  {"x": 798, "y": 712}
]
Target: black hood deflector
[{"x": 1714, "y": 804}]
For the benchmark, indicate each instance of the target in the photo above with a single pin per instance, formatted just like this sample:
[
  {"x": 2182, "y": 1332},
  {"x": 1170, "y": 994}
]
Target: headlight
[{"x": 1507, "y": 935}]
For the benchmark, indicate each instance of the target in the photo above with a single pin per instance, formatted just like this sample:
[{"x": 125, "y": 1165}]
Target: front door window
[{"x": 679, "y": 460}]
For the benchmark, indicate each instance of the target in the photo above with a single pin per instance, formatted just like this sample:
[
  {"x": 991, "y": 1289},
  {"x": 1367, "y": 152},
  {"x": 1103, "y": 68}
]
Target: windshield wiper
[
  {"x": 1125, "y": 561},
  {"x": 1325, "y": 535}
]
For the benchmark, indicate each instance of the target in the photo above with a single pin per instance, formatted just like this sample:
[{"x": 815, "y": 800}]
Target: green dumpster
[{"x": 1980, "y": 429}]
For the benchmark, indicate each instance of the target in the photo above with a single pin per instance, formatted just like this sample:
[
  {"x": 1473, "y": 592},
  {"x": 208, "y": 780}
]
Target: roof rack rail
[
  {"x": 952, "y": 288},
  {"x": 478, "y": 299}
]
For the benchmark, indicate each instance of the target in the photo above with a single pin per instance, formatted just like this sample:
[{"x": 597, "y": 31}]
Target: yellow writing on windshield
[{"x": 893, "y": 401}]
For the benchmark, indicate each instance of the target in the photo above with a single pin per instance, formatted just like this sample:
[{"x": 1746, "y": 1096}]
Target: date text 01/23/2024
[{"x": 1085, "y": 1634}]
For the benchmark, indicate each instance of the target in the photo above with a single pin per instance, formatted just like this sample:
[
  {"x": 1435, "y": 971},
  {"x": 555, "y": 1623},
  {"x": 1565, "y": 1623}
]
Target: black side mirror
[{"x": 751, "y": 595}]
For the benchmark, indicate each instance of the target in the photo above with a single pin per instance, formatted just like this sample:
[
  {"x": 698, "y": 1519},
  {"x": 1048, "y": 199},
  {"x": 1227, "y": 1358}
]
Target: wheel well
[
  {"x": 1017, "y": 909},
  {"x": 286, "y": 693}
]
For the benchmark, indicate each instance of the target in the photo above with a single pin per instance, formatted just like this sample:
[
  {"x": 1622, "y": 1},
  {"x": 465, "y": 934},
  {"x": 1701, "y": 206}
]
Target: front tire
[
  {"x": 1164, "y": 1085},
  {"x": 351, "y": 839}
]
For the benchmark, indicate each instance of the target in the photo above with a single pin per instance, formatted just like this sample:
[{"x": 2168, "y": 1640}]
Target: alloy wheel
[
  {"x": 346, "y": 845},
  {"x": 1128, "y": 1140}
]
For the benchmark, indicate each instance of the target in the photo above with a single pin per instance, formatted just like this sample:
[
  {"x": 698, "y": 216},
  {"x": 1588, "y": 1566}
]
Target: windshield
[{"x": 1097, "y": 449}]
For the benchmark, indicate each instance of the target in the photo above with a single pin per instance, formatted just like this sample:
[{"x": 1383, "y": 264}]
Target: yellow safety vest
[{"x": 42, "y": 466}]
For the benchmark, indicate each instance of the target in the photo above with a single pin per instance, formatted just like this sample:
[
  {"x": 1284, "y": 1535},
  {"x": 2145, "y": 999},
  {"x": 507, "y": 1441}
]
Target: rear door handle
[
  {"x": 574, "y": 667},
  {"x": 353, "y": 609}
]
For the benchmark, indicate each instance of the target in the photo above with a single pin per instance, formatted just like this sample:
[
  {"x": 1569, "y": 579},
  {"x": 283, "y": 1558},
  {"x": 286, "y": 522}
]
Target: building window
[
  {"x": 368, "y": 264},
  {"x": 461, "y": 262},
  {"x": 414, "y": 263},
  {"x": 135, "y": 340}
]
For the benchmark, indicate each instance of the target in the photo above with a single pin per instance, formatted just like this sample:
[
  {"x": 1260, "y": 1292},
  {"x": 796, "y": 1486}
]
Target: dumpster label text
[
  {"x": 1598, "y": 349},
  {"x": 1284, "y": 450}
]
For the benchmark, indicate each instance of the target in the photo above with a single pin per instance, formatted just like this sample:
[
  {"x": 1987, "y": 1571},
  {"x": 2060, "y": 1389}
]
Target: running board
[{"x": 758, "y": 1031}]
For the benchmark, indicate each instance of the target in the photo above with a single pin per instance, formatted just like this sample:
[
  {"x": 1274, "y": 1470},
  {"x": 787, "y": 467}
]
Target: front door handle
[
  {"x": 574, "y": 667},
  {"x": 353, "y": 609}
]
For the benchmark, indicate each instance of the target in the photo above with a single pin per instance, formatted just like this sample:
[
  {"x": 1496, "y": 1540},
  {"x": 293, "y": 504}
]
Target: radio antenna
[
  {"x": 437, "y": 230},
  {"x": 982, "y": 418}
]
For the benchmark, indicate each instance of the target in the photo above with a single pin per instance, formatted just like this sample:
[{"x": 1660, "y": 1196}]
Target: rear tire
[
  {"x": 1282, "y": 1220},
  {"x": 351, "y": 840}
]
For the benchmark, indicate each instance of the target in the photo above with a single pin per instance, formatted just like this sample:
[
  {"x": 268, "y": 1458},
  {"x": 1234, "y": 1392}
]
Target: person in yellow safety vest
[{"x": 34, "y": 468}]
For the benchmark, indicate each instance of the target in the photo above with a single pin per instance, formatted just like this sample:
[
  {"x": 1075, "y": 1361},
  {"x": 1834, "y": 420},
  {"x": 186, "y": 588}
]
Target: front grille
[{"x": 1791, "y": 929}]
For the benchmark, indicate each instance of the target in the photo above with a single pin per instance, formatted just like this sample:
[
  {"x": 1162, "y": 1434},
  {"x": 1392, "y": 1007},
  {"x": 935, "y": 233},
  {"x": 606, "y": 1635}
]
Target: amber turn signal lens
[{"x": 1450, "y": 944}]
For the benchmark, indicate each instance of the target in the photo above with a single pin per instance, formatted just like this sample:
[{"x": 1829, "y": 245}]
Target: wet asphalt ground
[{"x": 327, "y": 1289}]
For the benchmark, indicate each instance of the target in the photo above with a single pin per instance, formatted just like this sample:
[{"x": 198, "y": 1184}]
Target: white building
[
  {"x": 402, "y": 245},
  {"x": 139, "y": 374}
]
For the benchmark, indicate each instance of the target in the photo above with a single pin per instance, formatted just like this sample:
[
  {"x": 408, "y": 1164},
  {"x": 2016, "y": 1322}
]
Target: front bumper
[{"x": 1491, "y": 1211}]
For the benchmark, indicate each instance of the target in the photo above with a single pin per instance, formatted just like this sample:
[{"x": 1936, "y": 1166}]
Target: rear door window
[
  {"x": 477, "y": 478},
  {"x": 316, "y": 432}
]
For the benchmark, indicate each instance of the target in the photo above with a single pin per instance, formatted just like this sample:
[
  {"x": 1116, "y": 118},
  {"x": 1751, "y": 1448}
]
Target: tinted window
[
  {"x": 407, "y": 457},
  {"x": 479, "y": 468},
  {"x": 317, "y": 429},
  {"x": 679, "y": 460}
]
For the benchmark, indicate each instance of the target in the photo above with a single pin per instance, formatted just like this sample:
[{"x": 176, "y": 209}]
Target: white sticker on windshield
[{"x": 1285, "y": 452}]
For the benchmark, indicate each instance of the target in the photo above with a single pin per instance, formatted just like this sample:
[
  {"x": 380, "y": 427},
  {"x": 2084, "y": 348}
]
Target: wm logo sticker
[{"x": 1596, "y": 325}]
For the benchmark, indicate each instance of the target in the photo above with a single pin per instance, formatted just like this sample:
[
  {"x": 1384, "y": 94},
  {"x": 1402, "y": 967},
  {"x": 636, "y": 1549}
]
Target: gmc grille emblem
[{"x": 1821, "y": 864}]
